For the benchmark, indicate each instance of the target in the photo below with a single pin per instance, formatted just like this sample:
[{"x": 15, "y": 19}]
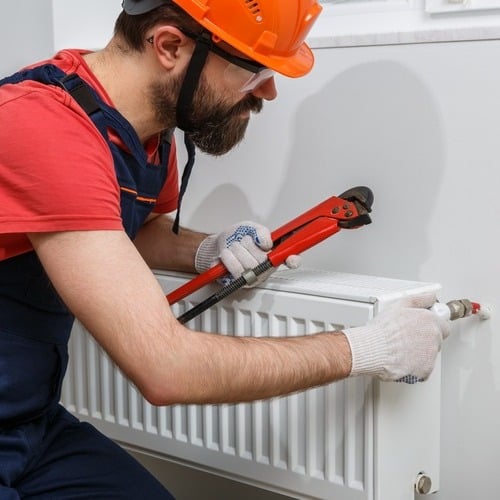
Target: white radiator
[{"x": 358, "y": 439}]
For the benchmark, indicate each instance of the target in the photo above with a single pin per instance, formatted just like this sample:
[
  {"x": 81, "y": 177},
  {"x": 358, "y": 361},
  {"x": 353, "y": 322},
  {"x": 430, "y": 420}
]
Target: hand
[
  {"x": 401, "y": 343},
  {"x": 241, "y": 247}
]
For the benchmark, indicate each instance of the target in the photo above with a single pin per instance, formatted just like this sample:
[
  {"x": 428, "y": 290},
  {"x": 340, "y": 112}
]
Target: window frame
[{"x": 347, "y": 23}]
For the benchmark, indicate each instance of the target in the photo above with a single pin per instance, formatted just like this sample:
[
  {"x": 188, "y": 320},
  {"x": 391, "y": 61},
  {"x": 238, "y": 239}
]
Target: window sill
[{"x": 405, "y": 22}]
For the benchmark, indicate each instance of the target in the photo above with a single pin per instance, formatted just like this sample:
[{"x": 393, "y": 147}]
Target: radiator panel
[{"x": 320, "y": 443}]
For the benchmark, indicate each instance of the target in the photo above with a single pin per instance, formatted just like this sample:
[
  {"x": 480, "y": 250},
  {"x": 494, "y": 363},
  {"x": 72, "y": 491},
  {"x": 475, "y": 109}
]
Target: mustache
[
  {"x": 222, "y": 115},
  {"x": 223, "y": 128},
  {"x": 250, "y": 103}
]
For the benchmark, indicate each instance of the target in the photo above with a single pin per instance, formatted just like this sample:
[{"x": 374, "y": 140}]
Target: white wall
[
  {"x": 86, "y": 24},
  {"x": 418, "y": 124},
  {"x": 26, "y": 33}
]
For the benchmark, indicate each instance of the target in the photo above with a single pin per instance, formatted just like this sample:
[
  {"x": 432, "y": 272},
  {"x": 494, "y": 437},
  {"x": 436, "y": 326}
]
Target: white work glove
[
  {"x": 401, "y": 343},
  {"x": 241, "y": 247}
]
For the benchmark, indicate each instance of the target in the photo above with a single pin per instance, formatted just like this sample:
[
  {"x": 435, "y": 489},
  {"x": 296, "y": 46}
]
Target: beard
[{"x": 214, "y": 126}]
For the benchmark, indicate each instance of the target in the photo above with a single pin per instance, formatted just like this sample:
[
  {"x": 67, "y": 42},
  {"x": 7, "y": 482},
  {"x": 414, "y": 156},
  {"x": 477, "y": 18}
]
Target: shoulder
[
  {"x": 47, "y": 136},
  {"x": 46, "y": 114},
  {"x": 68, "y": 62}
]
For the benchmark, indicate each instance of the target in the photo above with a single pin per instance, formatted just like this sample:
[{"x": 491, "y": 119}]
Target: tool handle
[
  {"x": 309, "y": 235},
  {"x": 214, "y": 273},
  {"x": 199, "y": 281},
  {"x": 292, "y": 238},
  {"x": 293, "y": 245},
  {"x": 224, "y": 292}
]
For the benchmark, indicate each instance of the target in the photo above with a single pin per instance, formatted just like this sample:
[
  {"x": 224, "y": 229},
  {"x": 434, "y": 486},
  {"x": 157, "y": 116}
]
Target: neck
[{"x": 124, "y": 76}]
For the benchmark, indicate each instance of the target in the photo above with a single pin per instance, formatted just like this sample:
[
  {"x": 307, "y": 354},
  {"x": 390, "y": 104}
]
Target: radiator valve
[
  {"x": 423, "y": 484},
  {"x": 456, "y": 309}
]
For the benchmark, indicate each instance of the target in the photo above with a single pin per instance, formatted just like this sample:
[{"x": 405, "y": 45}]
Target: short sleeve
[{"x": 56, "y": 170}]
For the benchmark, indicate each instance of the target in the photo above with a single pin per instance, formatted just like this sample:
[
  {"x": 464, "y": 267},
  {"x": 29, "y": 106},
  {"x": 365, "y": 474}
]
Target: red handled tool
[{"x": 347, "y": 211}]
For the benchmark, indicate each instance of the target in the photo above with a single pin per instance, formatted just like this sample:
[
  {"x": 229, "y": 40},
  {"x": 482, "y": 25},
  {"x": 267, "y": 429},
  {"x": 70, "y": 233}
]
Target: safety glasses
[{"x": 243, "y": 74}]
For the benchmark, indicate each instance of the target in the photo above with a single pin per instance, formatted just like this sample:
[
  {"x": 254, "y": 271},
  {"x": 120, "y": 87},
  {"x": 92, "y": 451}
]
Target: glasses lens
[
  {"x": 257, "y": 79},
  {"x": 244, "y": 80}
]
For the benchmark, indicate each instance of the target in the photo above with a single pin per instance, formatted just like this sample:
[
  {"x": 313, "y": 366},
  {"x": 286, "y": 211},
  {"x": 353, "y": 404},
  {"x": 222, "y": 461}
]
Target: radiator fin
[{"x": 314, "y": 443}]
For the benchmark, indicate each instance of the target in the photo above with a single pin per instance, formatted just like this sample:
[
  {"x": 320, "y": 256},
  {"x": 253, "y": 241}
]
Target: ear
[{"x": 171, "y": 46}]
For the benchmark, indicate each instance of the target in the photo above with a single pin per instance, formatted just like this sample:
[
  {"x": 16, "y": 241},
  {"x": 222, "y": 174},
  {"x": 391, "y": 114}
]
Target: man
[{"x": 86, "y": 192}]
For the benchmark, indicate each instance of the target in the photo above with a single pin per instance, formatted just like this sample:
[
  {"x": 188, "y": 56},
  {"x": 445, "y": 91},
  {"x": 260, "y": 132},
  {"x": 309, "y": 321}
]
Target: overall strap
[
  {"x": 140, "y": 181},
  {"x": 35, "y": 324},
  {"x": 102, "y": 115}
]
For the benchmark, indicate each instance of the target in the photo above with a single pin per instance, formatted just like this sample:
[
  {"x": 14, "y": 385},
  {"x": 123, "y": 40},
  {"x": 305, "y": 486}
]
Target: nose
[{"x": 267, "y": 90}]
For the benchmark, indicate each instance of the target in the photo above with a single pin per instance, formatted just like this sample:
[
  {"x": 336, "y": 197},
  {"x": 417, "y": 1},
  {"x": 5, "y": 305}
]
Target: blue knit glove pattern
[{"x": 241, "y": 247}]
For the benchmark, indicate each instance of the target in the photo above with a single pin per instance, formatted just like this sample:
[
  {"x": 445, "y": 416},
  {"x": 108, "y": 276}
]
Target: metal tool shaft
[{"x": 246, "y": 279}]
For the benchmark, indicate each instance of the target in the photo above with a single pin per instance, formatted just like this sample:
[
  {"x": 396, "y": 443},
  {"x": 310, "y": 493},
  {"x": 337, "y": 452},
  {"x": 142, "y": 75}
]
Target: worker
[{"x": 88, "y": 188}]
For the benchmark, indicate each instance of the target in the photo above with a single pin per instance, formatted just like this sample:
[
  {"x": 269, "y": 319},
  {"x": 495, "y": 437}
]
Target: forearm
[
  {"x": 117, "y": 298},
  {"x": 213, "y": 368},
  {"x": 161, "y": 248}
]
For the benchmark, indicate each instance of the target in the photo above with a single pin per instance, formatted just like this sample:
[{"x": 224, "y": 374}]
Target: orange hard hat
[{"x": 271, "y": 32}]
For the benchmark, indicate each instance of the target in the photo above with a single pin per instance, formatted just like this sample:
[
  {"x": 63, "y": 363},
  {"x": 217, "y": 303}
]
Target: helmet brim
[{"x": 295, "y": 66}]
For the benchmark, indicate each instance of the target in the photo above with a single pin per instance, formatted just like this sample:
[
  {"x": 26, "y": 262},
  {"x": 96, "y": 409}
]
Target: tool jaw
[{"x": 361, "y": 197}]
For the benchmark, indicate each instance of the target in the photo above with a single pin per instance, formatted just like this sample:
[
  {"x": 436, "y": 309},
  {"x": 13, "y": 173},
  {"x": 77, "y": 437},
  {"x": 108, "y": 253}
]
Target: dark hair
[{"x": 133, "y": 29}]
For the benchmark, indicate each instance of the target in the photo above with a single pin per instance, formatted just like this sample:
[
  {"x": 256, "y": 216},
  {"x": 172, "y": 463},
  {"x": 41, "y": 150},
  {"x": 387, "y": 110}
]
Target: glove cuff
[
  {"x": 206, "y": 255},
  {"x": 368, "y": 351}
]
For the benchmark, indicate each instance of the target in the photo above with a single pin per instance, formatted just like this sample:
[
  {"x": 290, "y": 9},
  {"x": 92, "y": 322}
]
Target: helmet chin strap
[
  {"x": 183, "y": 110},
  {"x": 189, "y": 85}
]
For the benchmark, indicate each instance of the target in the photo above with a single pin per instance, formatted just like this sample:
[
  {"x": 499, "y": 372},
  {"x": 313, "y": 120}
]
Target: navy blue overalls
[{"x": 46, "y": 453}]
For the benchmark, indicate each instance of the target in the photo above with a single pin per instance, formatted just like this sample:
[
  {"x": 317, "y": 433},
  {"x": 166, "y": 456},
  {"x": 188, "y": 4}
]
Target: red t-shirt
[{"x": 56, "y": 170}]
